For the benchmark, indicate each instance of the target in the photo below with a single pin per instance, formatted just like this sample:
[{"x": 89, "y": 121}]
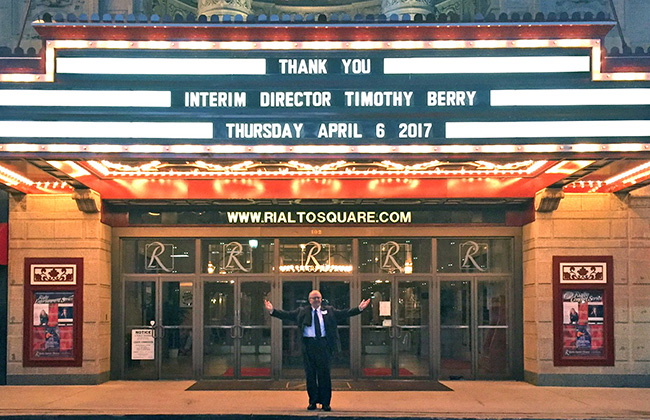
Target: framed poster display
[
  {"x": 53, "y": 312},
  {"x": 583, "y": 323}
]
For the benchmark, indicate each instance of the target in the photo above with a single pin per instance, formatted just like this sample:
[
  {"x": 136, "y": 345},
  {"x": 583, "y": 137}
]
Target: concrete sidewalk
[{"x": 475, "y": 399}]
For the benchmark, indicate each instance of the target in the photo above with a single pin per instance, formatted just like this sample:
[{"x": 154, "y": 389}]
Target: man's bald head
[{"x": 315, "y": 298}]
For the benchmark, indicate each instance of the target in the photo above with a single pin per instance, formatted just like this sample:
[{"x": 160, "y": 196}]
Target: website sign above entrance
[{"x": 318, "y": 217}]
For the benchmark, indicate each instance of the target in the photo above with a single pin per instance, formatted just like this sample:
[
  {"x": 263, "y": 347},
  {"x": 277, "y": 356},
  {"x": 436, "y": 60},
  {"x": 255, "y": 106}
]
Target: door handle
[
  {"x": 233, "y": 332},
  {"x": 399, "y": 331},
  {"x": 241, "y": 332},
  {"x": 391, "y": 332},
  {"x": 153, "y": 329},
  {"x": 161, "y": 331}
]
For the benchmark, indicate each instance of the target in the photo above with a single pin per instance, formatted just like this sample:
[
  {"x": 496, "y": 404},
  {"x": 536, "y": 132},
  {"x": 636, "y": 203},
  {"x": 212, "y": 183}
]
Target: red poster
[
  {"x": 53, "y": 312},
  {"x": 583, "y": 323}
]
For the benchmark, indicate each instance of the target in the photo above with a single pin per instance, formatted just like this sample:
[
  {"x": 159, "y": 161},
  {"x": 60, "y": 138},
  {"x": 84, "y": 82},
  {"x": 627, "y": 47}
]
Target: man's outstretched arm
[
  {"x": 364, "y": 304},
  {"x": 279, "y": 313},
  {"x": 342, "y": 314}
]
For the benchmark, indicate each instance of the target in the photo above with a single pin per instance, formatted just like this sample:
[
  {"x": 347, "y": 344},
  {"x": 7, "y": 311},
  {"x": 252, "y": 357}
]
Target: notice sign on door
[{"x": 142, "y": 344}]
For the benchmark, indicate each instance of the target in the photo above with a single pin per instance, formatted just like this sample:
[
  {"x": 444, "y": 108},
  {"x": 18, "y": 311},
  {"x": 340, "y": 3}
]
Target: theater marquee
[{"x": 303, "y": 97}]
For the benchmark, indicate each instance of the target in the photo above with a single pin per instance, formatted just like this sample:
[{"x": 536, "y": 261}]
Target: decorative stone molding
[
  {"x": 225, "y": 7},
  {"x": 571, "y": 6},
  {"x": 351, "y": 8},
  {"x": 173, "y": 7},
  {"x": 87, "y": 200},
  {"x": 37, "y": 9},
  {"x": 548, "y": 199},
  {"x": 512, "y": 6},
  {"x": 400, "y": 7},
  {"x": 637, "y": 199},
  {"x": 459, "y": 7},
  {"x": 114, "y": 7}
]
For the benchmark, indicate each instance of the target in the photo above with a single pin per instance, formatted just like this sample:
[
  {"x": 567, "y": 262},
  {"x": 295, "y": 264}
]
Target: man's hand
[
  {"x": 364, "y": 304},
  {"x": 268, "y": 305}
]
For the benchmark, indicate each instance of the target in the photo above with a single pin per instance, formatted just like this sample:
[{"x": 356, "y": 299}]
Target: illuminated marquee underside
[
  {"x": 338, "y": 179},
  {"x": 340, "y": 168},
  {"x": 624, "y": 180}
]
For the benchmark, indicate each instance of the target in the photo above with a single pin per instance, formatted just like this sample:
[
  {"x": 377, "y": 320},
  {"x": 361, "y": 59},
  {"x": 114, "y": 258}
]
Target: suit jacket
[{"x": 331, "y": 318}]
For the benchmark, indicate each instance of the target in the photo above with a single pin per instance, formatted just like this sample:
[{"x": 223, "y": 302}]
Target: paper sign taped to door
[
  {"x": 142, "y": 344},
  {"x": 384, "y": 308}
]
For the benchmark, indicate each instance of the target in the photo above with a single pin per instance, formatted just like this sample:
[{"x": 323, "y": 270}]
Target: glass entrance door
[
  {"x": 165, "y": 308},
  {"x": 474, "y": 329},
  {"x": 455, "y": 330},
  {"x": 395, "y": 333},
  {"x": 140, "y": 309},
  {"x": 236, "y": 329}
]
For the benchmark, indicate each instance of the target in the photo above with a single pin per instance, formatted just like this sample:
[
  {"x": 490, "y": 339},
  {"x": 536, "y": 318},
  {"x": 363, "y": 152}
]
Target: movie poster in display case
[
  {"x": 583, "y": 311},
  {"x": 53, "y": 312}
]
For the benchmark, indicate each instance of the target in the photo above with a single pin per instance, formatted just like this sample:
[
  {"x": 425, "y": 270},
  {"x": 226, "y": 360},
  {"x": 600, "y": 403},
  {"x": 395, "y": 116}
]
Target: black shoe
[
  {"x": 311, "y": 406},
  {"x": 327, "y": 408}
]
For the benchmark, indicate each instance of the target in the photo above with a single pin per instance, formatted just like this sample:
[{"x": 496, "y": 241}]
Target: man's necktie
[{"x": 316, "y": 324}]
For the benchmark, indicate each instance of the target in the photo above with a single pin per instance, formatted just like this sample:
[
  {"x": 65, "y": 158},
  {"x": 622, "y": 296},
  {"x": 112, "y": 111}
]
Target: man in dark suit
[{"x": 319, "y": 341}]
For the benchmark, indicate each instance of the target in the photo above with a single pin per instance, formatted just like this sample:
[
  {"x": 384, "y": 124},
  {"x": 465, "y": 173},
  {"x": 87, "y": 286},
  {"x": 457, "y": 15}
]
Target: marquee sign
[{"x": 355, "y": 94}]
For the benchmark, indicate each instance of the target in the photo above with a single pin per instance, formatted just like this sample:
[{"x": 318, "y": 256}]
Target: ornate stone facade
[
  {"x": 400, "y": 7},
  {"x": 173, "y": 7},
  {"x": 571, "y": 6},
  {"x": 462, "y": 8},
  {"x": 38, "y": 8},
  {"x": 225, "y": 7}
]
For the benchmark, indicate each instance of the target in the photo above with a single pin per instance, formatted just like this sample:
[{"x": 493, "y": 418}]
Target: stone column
[
  {"x": 590, "y": 224},
  {"x": 51, "y": 226},
  {"x": 224, "y": 7}
]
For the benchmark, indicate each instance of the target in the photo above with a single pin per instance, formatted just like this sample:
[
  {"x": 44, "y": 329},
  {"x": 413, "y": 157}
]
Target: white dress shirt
[{"x": 310, "y": 331}]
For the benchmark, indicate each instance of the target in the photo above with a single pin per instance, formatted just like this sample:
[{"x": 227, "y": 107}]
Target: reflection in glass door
[
  {"x": 412, "y": 336},
  {"x": 455, "y": 337},
  {"x": 474, "y": 329},
  {"x": 294, "y": 295},
  {"x": 237, "y": 332},
  {"x": 167, "y": 305},
  {"x": 493, "y": 348},
  {"x": 176, "y": 326},
  {"x": 377, "y": 330},
  {"x": 395, "y": 339},
  {"x": 337, "y": 294},
  {"x": 254, "y": 330},
  {"x": 219, "y": 330},
  {"x": 139, "y": 311}
]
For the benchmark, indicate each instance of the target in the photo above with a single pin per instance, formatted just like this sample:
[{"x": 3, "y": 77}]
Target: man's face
[{"x": 315, "y": 299}]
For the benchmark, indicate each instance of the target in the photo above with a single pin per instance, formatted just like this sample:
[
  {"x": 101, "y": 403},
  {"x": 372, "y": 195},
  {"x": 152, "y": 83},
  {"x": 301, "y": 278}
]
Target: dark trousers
[{"x": 316, "y": 358}]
